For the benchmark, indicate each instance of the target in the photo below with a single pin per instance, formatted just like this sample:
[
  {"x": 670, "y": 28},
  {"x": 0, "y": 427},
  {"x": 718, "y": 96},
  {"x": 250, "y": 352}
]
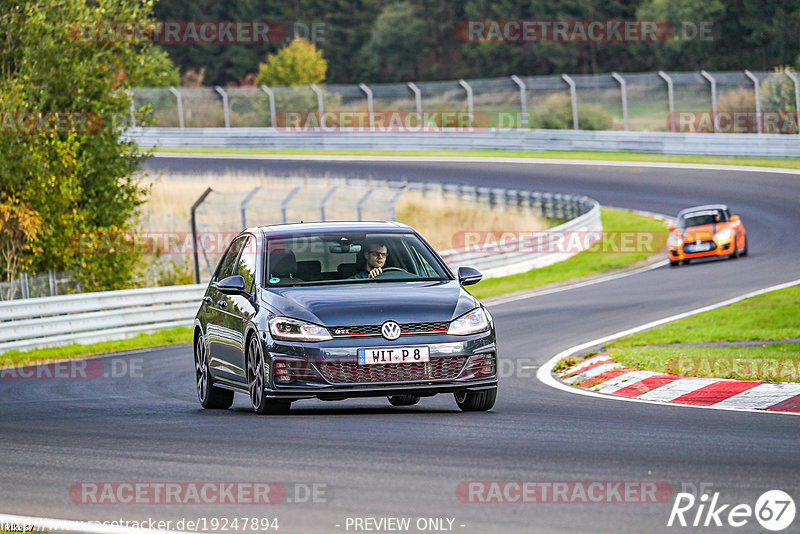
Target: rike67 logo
[{"x": 774, "y": 510}]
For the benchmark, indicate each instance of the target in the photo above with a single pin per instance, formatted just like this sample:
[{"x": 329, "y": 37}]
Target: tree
[
  {"x": 69, "y": 166},
  {"x": 300, "y": 63},
  {"x": 19, "y": 226}
]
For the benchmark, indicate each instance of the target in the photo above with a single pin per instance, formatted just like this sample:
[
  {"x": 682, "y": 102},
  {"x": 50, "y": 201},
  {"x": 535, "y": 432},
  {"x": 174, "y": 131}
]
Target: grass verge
[
  {"x": 606, "y": 255},
  {"x": 784, "y": 163},
  {"x": 771, "y": 316},
  {"x": 170, "y": 336}
]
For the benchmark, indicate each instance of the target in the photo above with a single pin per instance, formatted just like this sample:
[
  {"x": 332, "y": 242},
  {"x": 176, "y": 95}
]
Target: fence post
[
  {"x": 523, "y": 99},
  {"x": 759, "y": 121},
  {"x": 623, "y": 87},
  {"x": 671, "y": 99},
  {"x": 470, "y": 107},
  {"x": 713, "y": 82},
  {"x": 417, "y": 99},
  {"x": 320, "y": 104},
  {"x": 180, "y": 106},
  {"x": 324, "y": 200},
  {"x": 370, "y": 106},
  {"x": 51, "y": 278},
  {"x": 285, "y": 203},
  {"x": 225, "y": 108},
  {"x": 271, "y": 96},
  {"x": 574, "y": 96},
  {"x": 129, "y": 92},
  {"x": 193, "y": 222},
  {"x": 243, "y": 205},
  {"x": 393, "y": 201},
  {"x": 23, "y": 283},
  {"x": 792, "y": 76},
  {"x": 363, "y": 199}
]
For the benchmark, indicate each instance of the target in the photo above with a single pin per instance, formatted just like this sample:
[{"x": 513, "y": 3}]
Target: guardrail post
[
  {"x": 793, "y": 76},
  {"x": 23, "y": 285},
  {"x": 713, "y": 83},
  {"x": 370, "y": 106},
  {"x": 573, "y": 93},
  {"x": 193, "y": 222},
  {"x": 523, "y": 99},
  {"x": 285, "y": 203},
  {"x": 417, "y": 99},
  {"x": 324, "y": 200},
  {"x": 361, "y": 201},
  {"x": 470, "y": 107},
  {"x": 51, "y": 278},
  {"x": 623, "y": 87},
  {"x": 271, "y": 96},
  {"x": 759, "y": 120},
  {"x": 671, "y": 99},
  {"x": 320, "y": 103},
  {"x": 243, "y": 205},
  {"x": 225, "y": 109},
  {"x": 179, "y": 98}
]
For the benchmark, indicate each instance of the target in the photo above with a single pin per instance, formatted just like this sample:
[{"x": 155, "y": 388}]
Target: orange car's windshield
[{"x": 700, "y": 219}]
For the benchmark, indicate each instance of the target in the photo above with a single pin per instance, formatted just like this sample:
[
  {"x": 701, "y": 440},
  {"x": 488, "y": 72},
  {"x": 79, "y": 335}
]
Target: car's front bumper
[
  {"x": 720, "y": 249},
  {"x": 452, "y": 366}
]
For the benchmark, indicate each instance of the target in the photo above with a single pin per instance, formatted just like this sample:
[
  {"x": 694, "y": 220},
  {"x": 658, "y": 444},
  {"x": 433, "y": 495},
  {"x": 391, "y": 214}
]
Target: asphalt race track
[{"x": 376, "y": 461}]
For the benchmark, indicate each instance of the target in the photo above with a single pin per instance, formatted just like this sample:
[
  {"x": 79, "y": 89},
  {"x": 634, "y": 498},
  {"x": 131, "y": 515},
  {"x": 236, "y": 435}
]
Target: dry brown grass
[{"x": 438, "y": 219}]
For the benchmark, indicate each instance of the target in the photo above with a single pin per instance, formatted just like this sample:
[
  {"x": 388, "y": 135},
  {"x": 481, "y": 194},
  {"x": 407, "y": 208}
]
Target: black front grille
[
  {"x": 375, "y": 330},
  {"x": 446, "y": 368}
]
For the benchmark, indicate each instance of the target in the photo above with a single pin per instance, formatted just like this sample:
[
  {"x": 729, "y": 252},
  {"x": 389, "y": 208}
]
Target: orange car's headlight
[
  {"x": 723, "y": 235},
  {"x": 674, "y": 241}
]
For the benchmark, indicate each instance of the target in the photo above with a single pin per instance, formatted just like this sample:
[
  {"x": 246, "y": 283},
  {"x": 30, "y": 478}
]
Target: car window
[
  {"x": 227, "y": 265},
  {"x": 342, "y": 258},
  {"x": 700, "y": 218},
  {"x": 246, "y": 265}
]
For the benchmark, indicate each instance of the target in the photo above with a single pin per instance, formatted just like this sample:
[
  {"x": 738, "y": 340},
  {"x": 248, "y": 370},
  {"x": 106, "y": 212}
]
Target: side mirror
[
  {"x": 468, "y": 276},
  {"x": 670, "y": 227},
  {"x": 232, "y": 285},
  {"x": 734, "y": 218}
]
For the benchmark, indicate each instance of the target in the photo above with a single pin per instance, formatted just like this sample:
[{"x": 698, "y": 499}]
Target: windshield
[
  {"x": 700, "y": 218},
  {"x": 350, "y": 258}
]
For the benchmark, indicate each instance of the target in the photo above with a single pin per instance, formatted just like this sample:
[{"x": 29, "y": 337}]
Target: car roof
[
  {"x": 287, "y": 230},
  {"x": 705, "y": 207}
]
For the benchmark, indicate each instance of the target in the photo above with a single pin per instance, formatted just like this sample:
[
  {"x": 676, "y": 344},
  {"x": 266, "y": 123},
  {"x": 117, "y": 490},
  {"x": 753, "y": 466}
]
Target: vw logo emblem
[{"x": 390, "y": 330}]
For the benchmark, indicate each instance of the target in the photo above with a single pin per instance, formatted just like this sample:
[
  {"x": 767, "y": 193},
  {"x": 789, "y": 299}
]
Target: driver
[{"x": 375, "y": 253}]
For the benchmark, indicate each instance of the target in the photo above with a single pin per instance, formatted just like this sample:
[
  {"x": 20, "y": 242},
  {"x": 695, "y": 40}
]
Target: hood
[
  {"x": 374, "y": 303},
  {"x": 705, "y": 232}
]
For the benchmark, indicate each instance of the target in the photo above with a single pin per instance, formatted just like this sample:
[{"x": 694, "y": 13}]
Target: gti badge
[{"x": 390, "y": 330}]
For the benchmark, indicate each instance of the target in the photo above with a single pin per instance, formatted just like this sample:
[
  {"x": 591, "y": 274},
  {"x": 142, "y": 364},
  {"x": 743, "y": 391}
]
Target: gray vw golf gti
[{"x": 339, "y": 310}]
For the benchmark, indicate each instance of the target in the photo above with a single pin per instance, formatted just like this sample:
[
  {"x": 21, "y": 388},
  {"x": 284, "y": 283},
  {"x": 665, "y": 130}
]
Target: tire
[
  {"x": 210, "y": 396},
  {"x": 673, "y": 263},
  {"x": 744, "y": 250},
  {"x": 476, "y": 401},
  {"x": 403, "y": 400},
  {"x": 257, "y": 383}
]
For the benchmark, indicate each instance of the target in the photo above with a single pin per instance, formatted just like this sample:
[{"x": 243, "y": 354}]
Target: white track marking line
[{"x": 544, "y": 373}]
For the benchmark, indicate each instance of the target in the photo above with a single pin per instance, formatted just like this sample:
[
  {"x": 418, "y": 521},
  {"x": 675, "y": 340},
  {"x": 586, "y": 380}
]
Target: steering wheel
[{"x": 393, "y": 272}]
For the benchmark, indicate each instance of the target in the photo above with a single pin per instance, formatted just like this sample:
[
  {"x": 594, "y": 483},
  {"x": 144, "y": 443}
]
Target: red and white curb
[{"x": 603, "y": 375}]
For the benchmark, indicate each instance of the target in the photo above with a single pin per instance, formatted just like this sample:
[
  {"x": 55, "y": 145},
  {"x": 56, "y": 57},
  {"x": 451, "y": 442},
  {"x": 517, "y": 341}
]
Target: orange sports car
[{"x": 706, "y": 231}]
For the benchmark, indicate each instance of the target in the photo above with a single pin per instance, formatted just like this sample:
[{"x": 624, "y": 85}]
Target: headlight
[
  {"x": 292, "y": 329},
  {"x": 724, "y": 235},
  {"x": 469, "y": 323},
  {"x": 674, "y": 240}
]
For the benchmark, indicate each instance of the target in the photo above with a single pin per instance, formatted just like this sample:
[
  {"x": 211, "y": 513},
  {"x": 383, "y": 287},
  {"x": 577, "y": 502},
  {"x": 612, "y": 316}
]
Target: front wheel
[
  {"x": 257, "y": 383},
  {"x": 211, "y": 397},
  {"x": 476, "y": 401},
  {"x": 744, "y": 250}
]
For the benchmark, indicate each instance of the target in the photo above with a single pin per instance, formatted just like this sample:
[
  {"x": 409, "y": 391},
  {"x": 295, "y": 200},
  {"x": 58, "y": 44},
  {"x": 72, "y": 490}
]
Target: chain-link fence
[
  {"x": 49, "y": 284},
  {"x": 722, "y": 102}
]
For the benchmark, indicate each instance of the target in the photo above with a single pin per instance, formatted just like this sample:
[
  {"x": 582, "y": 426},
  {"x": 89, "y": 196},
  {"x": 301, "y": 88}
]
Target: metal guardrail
[
  {"x": 752, "y": 145},
  {"x": 95, "y": 317}
]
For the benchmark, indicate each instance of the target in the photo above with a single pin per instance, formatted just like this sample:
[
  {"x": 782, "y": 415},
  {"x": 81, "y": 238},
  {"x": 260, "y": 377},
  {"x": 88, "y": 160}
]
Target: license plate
[
  {"x": 700, "y": 247},
  {"x": 379, "y": 355}
]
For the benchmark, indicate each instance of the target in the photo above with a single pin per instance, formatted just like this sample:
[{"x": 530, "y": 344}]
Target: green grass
[
  {"x": 591, "y": 262},
  {"x": 774, "y": 315},
  {"x": 785, "y": 163},
  {"x": 779, "y": 362},
  {"x": 171, "y": 336}
]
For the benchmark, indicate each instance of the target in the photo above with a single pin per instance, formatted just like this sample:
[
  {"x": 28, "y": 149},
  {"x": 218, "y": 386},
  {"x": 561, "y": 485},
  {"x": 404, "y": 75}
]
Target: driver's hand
[{"x": 374, "y": 272}]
